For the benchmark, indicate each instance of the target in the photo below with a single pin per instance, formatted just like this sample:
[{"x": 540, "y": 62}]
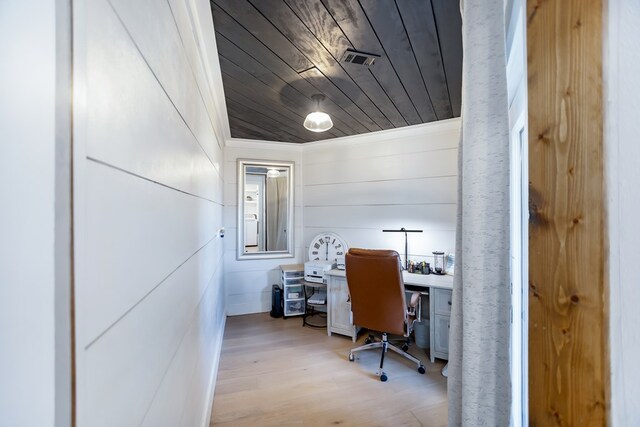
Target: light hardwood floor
[{"x": 274, "y": 372}]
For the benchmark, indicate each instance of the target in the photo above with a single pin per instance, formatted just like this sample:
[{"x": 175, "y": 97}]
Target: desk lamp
[{"x": 406, "y": 250}]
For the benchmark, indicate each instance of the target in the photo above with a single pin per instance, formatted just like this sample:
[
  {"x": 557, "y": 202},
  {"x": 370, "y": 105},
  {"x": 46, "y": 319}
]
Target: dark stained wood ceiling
[{"x": 276, "y": 54}]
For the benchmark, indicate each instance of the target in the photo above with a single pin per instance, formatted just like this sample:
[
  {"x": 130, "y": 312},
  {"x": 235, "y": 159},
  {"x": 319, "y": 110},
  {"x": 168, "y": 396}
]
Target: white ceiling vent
[{"x": 359, "y": 58}]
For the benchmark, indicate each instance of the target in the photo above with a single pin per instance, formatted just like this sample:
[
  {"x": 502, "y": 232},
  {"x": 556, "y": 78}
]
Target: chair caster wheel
[
  {"x": 405, "y": 347},
  {"x": 351, "y": 357},
  {"x": 421, "y": 369},
  {"x": 369, "y": 340},
  {"x": 383, "y": 377}
]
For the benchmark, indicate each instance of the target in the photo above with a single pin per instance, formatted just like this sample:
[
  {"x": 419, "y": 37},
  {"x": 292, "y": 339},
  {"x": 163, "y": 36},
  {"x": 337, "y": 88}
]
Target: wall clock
[{"x": 328, "y": 246}]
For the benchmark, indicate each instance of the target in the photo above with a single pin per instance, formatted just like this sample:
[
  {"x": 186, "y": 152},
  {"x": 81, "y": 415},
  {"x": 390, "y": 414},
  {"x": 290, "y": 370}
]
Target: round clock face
[{"x": 327, "y": 247}]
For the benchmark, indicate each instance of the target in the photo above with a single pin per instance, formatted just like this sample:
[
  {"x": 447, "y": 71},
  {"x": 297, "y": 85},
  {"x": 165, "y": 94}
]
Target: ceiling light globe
[
  {"x": 273, "y": 173},
  {"x": 318, "y": 122}
]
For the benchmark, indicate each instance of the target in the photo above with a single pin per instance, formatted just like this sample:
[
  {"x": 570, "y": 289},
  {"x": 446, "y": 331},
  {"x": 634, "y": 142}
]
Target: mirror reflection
[{"x": 265, "y": 211}]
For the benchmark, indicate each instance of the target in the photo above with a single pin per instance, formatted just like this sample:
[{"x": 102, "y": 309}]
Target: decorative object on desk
[
  {"x": 328, "y": 246},
  {"x": 421, "y": 267},
  {"x": 450, "y": 264},
  {"x": 406, "y": 247},
  {"x": 438, "y": 262}
]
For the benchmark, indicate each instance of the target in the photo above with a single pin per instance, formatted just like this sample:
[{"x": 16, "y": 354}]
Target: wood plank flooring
[{"x": 274, "y": 372}]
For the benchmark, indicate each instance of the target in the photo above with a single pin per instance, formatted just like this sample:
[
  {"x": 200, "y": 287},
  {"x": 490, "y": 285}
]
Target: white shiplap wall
[
  {"x": 358, "y": 186},
  {"x": 354, "y": 186},
  {"x": 30, "y": 165},
  {"x": 248, "y": 282},
  {"x": 148, "y": 196},
  {"x": 622, "y": 153}
]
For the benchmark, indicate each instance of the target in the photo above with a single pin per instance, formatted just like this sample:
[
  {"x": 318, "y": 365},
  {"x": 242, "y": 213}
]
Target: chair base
[{"x": 385, "y": 345}]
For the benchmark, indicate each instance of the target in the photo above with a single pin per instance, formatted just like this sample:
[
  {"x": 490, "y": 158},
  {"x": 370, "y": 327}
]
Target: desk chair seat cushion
[{"x": 377, "y": 293}]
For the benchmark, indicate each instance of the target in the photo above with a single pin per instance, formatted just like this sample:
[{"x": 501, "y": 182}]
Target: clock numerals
[{"x": 327, "y": 247}]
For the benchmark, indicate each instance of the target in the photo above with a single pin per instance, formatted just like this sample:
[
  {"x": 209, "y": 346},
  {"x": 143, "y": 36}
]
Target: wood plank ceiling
[{"x": 276, "y": 54}]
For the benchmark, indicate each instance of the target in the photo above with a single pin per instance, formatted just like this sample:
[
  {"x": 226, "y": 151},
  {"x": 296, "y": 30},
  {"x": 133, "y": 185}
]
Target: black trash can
[{"x": 276, "y": 301}]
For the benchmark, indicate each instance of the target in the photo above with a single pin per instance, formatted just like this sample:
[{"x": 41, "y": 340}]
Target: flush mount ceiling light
[
  {"x": 318, "y": 121},
  {"x": 273, "y": 173}
]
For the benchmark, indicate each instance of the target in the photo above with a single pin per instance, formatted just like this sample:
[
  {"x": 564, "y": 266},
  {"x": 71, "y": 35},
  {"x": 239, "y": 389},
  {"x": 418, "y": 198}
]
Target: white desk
[{"x": 340, "y": 321}]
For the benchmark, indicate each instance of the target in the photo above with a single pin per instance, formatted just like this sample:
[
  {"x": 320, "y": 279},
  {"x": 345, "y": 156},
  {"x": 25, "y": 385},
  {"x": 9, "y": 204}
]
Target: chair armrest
[
  {"x": 415, "y": 298},
  {"x": 413, "y": 312}
]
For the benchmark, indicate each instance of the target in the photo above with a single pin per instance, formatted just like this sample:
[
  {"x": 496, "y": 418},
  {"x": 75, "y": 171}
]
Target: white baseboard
[{"x": 214, "y": 373}]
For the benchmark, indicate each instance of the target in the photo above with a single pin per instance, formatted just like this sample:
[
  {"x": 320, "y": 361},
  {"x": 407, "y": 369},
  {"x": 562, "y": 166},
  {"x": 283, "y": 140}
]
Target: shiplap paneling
[
  {"x": 357, "y": 187},
  {"x": 423, "y": 191},
  {"x": 127, "y": 136},
  {"x": 396, "y": 167},
  {"x": 134, "y": 249},
  {"x": 244, "y": 282},
  {"x": 429, "y": 217},
  {"x": 248, "y": 282},
  {"x": 398, "y": 178},
  {"x": 250, "y": 302},
  {"x": 149, "y": 185},
  {"x": 147, "y": 22},
  {"x": 126, "y": 365},
  {"x": 35, "y": 374}
]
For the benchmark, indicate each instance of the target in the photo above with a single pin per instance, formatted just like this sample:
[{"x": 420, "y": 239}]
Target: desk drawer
[{"x": 442, "y": 301}]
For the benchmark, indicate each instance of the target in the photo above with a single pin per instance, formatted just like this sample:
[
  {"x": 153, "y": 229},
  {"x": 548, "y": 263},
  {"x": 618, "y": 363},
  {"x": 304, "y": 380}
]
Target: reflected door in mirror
[{"x": 265, "y": 210}]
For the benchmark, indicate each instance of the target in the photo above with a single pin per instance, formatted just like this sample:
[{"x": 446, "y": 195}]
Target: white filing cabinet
[
  {"x": 292, "y": 289},
  {"x": 440, "y": 305},
  {"x": 339, "y": 308}
]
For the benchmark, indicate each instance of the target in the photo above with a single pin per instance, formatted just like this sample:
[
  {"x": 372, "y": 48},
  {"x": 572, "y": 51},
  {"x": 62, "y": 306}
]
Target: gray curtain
[
  {"x": 479, "y": 347},
  {"x": 277, "y": 203}
]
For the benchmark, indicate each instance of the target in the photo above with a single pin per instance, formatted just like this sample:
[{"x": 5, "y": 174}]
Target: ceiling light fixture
[
  {"x": 273, "y": 173},
  {"x": 318, "y": 121}
]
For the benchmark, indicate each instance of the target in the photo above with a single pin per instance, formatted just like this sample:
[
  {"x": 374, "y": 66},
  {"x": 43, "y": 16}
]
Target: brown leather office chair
[{"x": 378, "y": 301}]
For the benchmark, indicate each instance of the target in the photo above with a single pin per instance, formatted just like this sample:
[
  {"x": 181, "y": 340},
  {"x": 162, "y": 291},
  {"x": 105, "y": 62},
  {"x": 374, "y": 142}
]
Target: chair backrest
[{"x": 377, "y": 290}]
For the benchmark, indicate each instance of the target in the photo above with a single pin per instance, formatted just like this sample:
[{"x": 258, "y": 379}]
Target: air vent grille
[{"x": 359, "y": 58}]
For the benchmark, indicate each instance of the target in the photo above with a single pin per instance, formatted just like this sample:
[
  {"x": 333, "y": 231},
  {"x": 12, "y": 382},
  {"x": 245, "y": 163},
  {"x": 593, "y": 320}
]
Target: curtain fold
[
  {"x": 479, "y": 384},
  {"x": 277, "y": 211}
]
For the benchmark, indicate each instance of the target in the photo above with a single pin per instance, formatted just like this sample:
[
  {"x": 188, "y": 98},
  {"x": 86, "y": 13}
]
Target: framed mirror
[{"x": 265, "y": 209}]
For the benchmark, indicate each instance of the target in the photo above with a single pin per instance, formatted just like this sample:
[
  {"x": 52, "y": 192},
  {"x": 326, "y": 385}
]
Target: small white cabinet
[
  {"x": 292, "y": 289},
  {"x": 339, "y": 319}
]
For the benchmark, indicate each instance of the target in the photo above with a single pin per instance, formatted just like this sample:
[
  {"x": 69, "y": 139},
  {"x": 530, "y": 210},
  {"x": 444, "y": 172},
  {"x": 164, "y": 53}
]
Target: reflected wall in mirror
[{"x": 265, "y": 209}]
